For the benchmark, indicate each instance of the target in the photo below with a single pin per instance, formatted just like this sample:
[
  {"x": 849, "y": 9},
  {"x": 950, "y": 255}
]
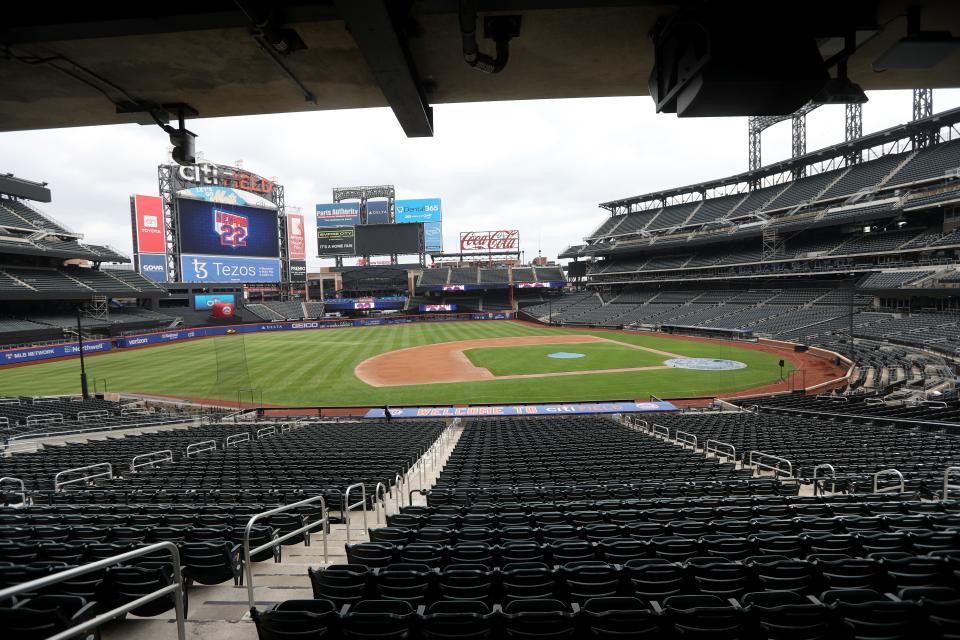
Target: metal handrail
[
  {"x": 44, "y": 418},
  {"x": 816, "y": 478},
  {"x": 167, "y": 457},
  {"x": 23, "y": 488},
  {"x": 266, "y": 432},
  {"x": 687, "y": 439},
  {"x": 96, "y": 413},
  {"x": 347, "y": 506},
  {"x": 33, "y": 586},
  {"x": 248, "y": 553},
  {"x": 946, "y": 482},
  {"x": 236, "y": 439},
  {"x": 398, "y": 481},
  {"x": 760, "y": 455},
  {"x": 284, "y": 427},
  {"x": 134, "y": 411},
  {"x": 888, "y": 472},
  {"x": 201, "y": 447},
  {"x": 873, "y": 401},
  {"x": 719, "y": 449},
  {"x": 380, "y": 489},
  {"x": 659, "y": 429},
  {"x": 100, "y": 465}
]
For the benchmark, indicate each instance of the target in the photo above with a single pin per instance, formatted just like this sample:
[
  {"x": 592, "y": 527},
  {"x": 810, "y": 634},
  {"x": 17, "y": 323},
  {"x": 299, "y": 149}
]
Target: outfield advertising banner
[
  {"x": 296, "y": 237},
  {"x": 206, "y": 302},
  {"x": 538, "y": 285},
  {"x": 524, "y": 410},
  {"x": 350, "y": 304},
  {"x": 378, "y": 212},
  {"x": 429, "y": 212},
  {"x": 438, "y": 307},
  {"x": 298, "y": 271},
  {"x": 336, "y": 241},
  {"x": 227, "y": 269},
  {"x": 150, "y": 235},
  {"x": 500, "y": 240},
  {"x": 340, "y": 214},
  {"x": 153, "y": 266},
  {"x": 432, "y": 237},
  {"x": 33, "y": 354}
]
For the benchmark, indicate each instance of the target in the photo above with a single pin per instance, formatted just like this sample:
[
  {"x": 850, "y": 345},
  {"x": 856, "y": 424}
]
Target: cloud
[{"x": 537, "y": 166}]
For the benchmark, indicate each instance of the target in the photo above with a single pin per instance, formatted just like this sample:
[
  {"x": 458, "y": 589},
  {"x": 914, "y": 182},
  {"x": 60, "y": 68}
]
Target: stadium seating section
[
  {"x": 280, "y": 311},
  {"x": 581, "y": 527}
]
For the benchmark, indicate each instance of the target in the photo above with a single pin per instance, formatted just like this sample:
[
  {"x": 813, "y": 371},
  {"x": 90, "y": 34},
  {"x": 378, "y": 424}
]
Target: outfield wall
[{"x": 26, "y": 355}]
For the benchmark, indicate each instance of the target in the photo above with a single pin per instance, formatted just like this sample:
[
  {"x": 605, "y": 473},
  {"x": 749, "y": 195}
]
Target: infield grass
[
  {"x": 507, "y": 361},
  {"x": 306, "y": 368}
]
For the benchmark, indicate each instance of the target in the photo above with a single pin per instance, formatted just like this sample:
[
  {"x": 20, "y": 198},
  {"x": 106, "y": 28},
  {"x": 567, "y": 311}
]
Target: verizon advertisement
[
  {"x": 503, "y": 240},
  {"x": 148, "y": 214},
  {"x": 296, "y": 239}
]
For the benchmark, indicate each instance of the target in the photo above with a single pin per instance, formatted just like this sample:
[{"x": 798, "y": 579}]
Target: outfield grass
[
  {"x": 316, "y": 368},
  {"x": 506, "y": 361}
]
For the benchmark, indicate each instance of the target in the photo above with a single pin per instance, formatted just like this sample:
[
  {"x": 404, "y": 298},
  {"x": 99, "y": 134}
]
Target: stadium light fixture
[{"x": 183, "y": 140}]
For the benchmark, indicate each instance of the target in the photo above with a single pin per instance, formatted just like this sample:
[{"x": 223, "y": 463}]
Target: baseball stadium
[{"x": 725, "y": 409}]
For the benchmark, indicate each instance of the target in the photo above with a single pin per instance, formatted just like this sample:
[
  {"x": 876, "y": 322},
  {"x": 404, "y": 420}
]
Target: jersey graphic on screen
[{"x": 231, "y": 228}]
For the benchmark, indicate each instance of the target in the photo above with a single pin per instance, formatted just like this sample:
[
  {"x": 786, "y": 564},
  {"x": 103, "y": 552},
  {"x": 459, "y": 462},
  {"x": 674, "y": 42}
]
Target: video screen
[
  {"x": 386, "y": 239},
  {"x": 212, "y": 228}
]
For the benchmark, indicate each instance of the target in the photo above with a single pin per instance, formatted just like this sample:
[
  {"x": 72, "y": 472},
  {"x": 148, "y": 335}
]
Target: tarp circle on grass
[
  {"x": 566, "y": 355},
  {"x": 704, "y": 364}
]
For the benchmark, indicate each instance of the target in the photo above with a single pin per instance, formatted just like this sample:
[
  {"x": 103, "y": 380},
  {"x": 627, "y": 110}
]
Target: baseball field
[{"x": 428, "y": 363}]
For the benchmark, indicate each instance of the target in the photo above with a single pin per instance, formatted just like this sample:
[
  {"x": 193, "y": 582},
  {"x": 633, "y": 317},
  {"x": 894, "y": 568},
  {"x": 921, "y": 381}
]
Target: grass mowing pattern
[
  {"x": 507, "y": 361},
  {"x": 316, "y": 368}
]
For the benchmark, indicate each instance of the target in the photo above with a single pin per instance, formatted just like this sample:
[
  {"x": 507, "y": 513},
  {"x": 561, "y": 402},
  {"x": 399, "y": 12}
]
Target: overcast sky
[{"x": 537, "y": 166}]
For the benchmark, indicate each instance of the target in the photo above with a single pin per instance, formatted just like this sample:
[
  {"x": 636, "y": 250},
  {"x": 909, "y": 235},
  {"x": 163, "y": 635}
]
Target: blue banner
[
  {"x": 377, "y": 212},
  {"x": 419, "y": 210},
  {"x": 153, "y": 266},
  {"x": 340, "y": 214},
  {"x": 584, "y": 408},
  {"x": 226, "y": 269},
  {"x": 374, "y": 303},
  {"x": 383, "y": 298},
  {"x": 433, "y": 236},
  {"x": 32, "y": 354},
  {"x": 206, "y": 302}
]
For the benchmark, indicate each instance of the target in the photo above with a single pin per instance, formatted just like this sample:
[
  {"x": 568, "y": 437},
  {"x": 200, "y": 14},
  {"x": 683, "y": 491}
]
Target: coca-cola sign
[{"x": 503, "y": 240}]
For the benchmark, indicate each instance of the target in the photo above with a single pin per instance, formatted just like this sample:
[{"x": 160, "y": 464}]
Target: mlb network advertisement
[
  {"x": 340, "y": 214},
  {"x": 216, "y": 229},
  {"x": 427, "y": 211},
  {"x": 148, "y": 224}
]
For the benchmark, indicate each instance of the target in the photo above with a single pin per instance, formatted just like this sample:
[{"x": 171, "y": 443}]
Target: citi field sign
[{"x": 209, "y": 174}]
